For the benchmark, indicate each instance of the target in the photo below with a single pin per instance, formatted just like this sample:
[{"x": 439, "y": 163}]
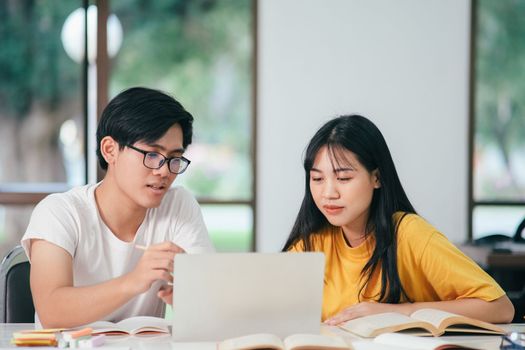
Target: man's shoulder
[
  {"x": 177, "y": 202},
  {"x": 59, "y": 217},
  {"x": 77, "y": 197},
  {"x": 177, "y": 195}
]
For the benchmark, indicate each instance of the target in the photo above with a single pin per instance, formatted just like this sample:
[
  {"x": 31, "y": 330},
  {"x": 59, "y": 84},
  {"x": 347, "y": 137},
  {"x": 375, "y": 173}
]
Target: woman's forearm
[{"x": 500, "y": 310}]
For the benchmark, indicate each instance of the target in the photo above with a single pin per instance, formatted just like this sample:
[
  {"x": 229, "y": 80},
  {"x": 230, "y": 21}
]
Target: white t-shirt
[{"x": 71, "y": 220}]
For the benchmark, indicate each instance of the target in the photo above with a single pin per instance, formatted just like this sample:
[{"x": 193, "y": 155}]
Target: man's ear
[
  {"x": 376, "y": 178},
  {"x": 109, "y": 149}
]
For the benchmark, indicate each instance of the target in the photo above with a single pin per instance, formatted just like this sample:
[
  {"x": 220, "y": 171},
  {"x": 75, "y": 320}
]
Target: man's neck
[{"x": 120, "y": 214}]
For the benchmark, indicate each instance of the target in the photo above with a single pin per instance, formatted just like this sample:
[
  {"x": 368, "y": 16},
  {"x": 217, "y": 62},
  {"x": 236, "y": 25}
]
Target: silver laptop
[{"x": 219, "y": 296}]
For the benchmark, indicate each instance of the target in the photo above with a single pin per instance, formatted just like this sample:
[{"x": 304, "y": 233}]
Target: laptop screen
[{"x": 224, "y": 295}]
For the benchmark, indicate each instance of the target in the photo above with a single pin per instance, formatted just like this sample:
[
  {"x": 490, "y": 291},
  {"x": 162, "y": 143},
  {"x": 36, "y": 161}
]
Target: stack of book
[
  {"x": 63, "y": 338},
  {"x": 37, "y": 337}
]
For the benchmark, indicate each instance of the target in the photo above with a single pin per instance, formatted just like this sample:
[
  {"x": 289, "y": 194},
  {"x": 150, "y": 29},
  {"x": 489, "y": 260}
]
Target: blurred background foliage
[
  {"x": 199, "y": 51},
  {"x": 499, "y": 156},
  {"x": 33, "y": 66}
]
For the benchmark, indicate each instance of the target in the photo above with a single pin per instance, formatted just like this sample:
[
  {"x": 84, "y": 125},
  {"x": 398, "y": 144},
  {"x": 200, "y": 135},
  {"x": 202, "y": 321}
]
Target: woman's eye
[
  {"x": 316, "y": 179},
  {"x": 344, "y": 178}
]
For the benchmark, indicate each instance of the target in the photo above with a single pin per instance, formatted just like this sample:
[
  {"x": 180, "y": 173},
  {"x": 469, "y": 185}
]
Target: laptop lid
[{"x": 219, "y": 296}]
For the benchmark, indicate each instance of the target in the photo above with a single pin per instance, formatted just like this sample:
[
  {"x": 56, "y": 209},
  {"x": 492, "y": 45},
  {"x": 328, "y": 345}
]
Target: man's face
[{"x": 146, "y": 187}]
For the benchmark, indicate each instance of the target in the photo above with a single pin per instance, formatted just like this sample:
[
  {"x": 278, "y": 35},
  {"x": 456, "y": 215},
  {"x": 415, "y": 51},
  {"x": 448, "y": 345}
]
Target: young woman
[{"x": 380, "y": 255}]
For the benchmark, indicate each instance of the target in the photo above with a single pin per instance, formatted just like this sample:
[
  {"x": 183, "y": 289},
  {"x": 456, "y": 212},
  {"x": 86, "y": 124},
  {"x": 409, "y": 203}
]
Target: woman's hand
[{"x": 364, "y": 309}]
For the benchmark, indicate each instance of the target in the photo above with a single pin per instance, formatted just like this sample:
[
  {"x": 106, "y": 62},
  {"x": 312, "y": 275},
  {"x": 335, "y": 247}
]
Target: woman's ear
[
  {"x": 376, "y": 178},
  {"x": 109, "y": 149}
]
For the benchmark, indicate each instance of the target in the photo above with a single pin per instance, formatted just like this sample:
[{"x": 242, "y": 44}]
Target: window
[
  {"x": 497, "y": 117},
  {"x": 51, "y": 93},
  {"x": 41, "y": 112},
  {"x": 201, "y": 52}
]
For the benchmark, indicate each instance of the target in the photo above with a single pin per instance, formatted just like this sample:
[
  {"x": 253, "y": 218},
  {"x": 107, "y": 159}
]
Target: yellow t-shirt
[{"x": 430, "y": 267}]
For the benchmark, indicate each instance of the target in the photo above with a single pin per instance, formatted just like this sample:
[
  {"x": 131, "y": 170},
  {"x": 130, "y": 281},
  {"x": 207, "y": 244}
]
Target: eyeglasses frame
[{"x": 166, "y": 160}]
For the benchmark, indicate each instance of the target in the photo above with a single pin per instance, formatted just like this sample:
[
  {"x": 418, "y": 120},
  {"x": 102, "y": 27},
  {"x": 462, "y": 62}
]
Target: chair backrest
[{"x": 16, "y": 300}]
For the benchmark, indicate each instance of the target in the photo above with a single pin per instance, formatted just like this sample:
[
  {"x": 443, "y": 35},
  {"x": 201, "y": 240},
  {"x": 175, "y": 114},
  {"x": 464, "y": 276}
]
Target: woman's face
[{"x": 342, "y": 189}]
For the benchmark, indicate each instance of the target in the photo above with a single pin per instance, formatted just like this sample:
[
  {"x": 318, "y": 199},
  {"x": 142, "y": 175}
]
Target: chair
[
  {"x": 518, "y": 300},
  {"x": 16, "y": 300}
]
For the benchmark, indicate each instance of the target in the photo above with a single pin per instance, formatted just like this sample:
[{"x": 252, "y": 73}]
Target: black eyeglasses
[
  {"x": 513, "y": 341},
  {"x": 155, "y": 160}
]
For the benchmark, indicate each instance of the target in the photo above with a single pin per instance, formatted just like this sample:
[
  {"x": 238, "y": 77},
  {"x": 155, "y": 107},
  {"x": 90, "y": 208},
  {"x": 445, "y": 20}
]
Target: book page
[
  {"x": 459, "y": 327},
  {"x": 395, "y": 341},
  {"x": 253, "y": 341},
  {"x": 448, "y": 321},
  {"x": 409, "y": 341},
  {"x": 433, "y": 316},
  {"x": 100, "y": 327},
  {"x": 313, "y": 341},
  {"x": 370, "y": 326},
  {"x": 140, "y": 324},
  {"x": 370, "y": 345}
]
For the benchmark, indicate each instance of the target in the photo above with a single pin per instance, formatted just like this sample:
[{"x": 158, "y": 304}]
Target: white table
[{"x": 164, "y": 342}]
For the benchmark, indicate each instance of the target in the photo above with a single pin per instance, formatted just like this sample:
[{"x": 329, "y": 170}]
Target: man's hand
[
  {"x": 155, "y": 264},
  {"x": 166, "y": 294}
]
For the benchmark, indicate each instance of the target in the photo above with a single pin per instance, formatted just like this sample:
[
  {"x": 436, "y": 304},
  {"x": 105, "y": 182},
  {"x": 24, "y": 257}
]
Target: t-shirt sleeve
[
  {"x": 452, "y": 274},
  {"x": 189, "y": 229},
  {"x": 52, "y": 220},
  {"x": 297, "y": 247}
]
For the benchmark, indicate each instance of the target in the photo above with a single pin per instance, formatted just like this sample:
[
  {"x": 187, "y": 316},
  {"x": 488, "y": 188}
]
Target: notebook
[{"x": 225, "y": 295}]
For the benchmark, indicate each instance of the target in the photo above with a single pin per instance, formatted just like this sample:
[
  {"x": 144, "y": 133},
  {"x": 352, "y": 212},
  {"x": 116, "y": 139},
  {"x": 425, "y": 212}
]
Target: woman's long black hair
[{"x": 360, "y": 136}]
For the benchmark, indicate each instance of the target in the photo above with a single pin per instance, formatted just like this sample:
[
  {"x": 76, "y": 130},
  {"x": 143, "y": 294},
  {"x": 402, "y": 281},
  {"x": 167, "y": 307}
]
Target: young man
[{"x": 106, "y": 251}]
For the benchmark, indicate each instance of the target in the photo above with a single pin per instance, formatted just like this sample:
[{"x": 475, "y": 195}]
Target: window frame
[{"x": 472, "y": 203}]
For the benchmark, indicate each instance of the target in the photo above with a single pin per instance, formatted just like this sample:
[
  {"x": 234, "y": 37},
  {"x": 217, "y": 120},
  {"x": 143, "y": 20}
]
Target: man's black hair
[{"x": 142, "y": 114}]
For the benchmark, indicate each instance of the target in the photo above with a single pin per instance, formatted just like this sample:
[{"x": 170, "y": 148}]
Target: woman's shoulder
[
  {"x": 318, "y": 240},
  {"x": 413, "y": 229},
  {"x": 411, "y": 221}
]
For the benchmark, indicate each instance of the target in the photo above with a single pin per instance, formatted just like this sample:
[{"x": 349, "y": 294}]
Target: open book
[
  {"x": 421, "y": 322},
  {"x": 138, "y": 325},
  {"x": 292, "y": 342},
  {"x": 396, "y": 341}
]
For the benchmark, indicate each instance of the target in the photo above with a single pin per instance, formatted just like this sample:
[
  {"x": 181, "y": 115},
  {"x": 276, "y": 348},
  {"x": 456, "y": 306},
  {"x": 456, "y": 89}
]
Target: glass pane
[
  {"x": 499, "y": 150},
  {"x": 490, "y": 220},
  {"x": 41, "y": 121},
  {"x": 230, "y": 226},
  {"x": 201, "y": 53},
  {"x": 13, "y": 224}
]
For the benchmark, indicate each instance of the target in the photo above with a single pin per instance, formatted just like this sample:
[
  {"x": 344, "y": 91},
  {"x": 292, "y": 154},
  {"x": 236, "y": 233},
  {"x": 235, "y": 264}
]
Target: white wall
[{"x": 402, "y": 63}]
